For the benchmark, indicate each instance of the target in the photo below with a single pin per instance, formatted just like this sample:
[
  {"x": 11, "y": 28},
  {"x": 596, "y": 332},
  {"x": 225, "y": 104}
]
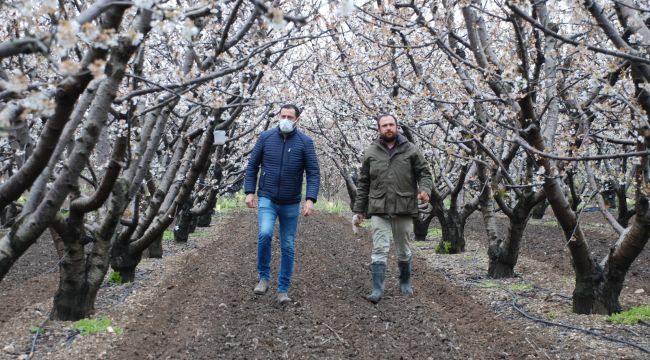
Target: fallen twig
[
  {"x": 538, "y": 349},
  {"x": 337, "y": 335}
]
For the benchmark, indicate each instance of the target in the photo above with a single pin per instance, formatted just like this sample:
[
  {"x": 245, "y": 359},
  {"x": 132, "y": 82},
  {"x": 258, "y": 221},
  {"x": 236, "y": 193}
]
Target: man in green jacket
[{"x": 394, "y": 177}]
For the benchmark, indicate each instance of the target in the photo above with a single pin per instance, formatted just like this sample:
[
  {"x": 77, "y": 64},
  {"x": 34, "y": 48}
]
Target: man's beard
[{"x": 388, "y": 137}]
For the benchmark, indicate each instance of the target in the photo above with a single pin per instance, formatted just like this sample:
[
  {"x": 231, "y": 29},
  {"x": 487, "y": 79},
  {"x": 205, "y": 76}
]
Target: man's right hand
[
  {"x": 250, "y": 201},
  {"x": 359, "y": 219}
]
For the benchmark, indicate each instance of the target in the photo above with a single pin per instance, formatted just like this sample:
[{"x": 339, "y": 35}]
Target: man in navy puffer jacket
[{"x": 284, "y": 154}]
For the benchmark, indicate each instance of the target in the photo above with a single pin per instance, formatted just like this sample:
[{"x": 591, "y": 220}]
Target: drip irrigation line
[
  {"x": 32, "y": 350},
  {"x": 551, "y": 323},
  {"x": 586, "y": 331}
]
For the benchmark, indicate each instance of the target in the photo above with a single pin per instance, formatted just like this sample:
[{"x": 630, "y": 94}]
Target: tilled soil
[
  {"x": 199, "y": 304},
  {"x": 215, "y": 313}
]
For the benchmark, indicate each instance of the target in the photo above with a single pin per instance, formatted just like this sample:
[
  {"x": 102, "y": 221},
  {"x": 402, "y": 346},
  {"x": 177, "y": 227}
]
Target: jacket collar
[{"x": 399, "y": 140}]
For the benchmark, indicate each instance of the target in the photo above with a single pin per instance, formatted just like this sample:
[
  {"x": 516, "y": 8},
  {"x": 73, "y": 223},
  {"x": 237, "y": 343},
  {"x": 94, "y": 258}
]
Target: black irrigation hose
[
  {"x": 38, "y": 332},
  {"x": 530, "y": 317}
]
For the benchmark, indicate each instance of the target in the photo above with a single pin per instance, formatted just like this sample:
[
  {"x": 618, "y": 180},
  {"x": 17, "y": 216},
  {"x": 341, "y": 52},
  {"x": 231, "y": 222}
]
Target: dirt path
[
  {"x": 208, "y": 310},
  {"x": 197, "y": 303}
]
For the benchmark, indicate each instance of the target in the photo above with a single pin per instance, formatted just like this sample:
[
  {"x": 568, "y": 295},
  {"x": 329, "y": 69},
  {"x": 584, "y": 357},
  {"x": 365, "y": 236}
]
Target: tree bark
[
  {"x": 183, "y": 227},
  {"x": 452, "y": 224},
  {"x": 539, "y": 210},
  {"x": 155, "y": 250},
  {"x": 504, "y": 254},
  {"x": 82, "y": 275},
  {"x": 421, "y": 227}
]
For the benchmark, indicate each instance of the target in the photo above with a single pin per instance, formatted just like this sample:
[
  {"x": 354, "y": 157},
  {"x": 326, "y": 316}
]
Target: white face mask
[{"x": 286, "y": 125}]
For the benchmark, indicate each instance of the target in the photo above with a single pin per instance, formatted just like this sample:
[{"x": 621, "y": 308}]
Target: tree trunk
[
  {"x": 624, "y": 214},
  {"x": 586, "y": 269},
  {"x": 351, "y": 187},
  {"x": 70, "y": 301},
  {"x": 72, "y": 304},
  {"x": 155, "y": 250},
  {"x": 504, "y": 254},
  {"x": 193, "y": 222},
  {"x": 183, "y": 227},
  {"x": 8, "y": 215},
  {"x": 539, "y": 210},
  {"x": 421, "y": 227},
  {"x": 123, "y": 261},
  {"x": 206, "y": 219},
  {"x": 453, "y": 232}
]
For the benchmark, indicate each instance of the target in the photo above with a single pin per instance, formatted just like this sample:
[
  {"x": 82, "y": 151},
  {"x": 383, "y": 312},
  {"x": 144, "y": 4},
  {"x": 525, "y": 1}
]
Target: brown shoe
[{"x": 261, "y": 287}]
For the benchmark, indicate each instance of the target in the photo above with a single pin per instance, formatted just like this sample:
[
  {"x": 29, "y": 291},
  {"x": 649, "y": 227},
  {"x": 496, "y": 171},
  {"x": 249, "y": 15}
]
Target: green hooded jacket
[{"x": 389, "y": 183}]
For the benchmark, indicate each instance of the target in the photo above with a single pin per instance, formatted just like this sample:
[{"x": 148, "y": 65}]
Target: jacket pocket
[
  {"x": 405, "y": 203},
  {"x": 377, "y": 201},
  {"x": 262, "y": 179}
]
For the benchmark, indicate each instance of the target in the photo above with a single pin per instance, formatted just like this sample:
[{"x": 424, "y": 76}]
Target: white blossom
[
  {"x": 69, "y": 67},
  {"x": 276, "y": 19},
  {"x": 97, "y": 68},
  {"x": 145, "y": 4},
  {"x": 66, "y": 34},
  {"x": 189, "y": 30},
  {"x": 346, "y": 8},
  {"x": 16, "y": 84},
  {"x": 39, "y": 103}
]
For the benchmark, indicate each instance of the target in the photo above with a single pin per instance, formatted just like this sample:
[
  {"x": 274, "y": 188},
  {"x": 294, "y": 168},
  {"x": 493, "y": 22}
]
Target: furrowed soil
[{"x": 197, "y": 302}]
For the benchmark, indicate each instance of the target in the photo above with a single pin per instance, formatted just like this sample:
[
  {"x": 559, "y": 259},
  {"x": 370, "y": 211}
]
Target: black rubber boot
[
  {"x": 378, "y": 271},
  {"x": 405, "y": 277}
]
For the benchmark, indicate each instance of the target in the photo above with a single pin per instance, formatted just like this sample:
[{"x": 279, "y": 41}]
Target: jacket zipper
[{"x": 284, "y": 143}]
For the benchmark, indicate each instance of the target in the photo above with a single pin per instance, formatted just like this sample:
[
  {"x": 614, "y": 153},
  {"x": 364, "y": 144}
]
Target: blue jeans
[{"x": 268, "y": 213}]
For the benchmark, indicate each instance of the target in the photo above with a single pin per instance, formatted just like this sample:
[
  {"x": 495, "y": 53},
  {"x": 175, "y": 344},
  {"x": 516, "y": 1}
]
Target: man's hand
[
  {"x": 358, "y": 219},
  {"x": 423, "y": 197},
  {"x": 250, "y": 201},
  {"x": 308, "y": 209}
]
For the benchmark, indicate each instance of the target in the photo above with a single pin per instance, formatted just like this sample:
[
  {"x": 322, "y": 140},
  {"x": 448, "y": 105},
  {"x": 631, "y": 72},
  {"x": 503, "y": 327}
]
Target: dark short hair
[
  {"x": 381, "y": 116},
  {"x": 295, "y": 108}
]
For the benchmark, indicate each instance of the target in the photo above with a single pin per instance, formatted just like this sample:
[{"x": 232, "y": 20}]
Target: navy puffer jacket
[{"x": 283, "y": 162}]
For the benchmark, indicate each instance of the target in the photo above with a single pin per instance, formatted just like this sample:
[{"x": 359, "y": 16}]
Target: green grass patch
[
  {"x": 36, "y": 329},
  {"x": 115, "y": 278},
  {"x": 22, "y": 200},
  {"x": 434, "y": 232},
  {"x": 229, "y": 203},
  {"x": 421, "y": 243},
  {"x": 366, "y": 224},
  {"x": 443, "y": 247},
  {"x": 490, "y": 284},
  {"x": 521, "y": 287},
  {"x": 168, "y": 235},
  {"x": 632, "y": 316},
  {"x": 93, "y": 326},
  {"x": 333, "y": 207},
  {"x": 550, "y": 222}
]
